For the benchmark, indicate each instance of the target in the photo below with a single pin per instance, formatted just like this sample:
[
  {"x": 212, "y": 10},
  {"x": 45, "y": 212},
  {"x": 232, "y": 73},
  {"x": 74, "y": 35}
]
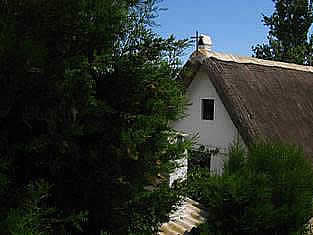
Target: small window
[{"x": 207, "y": 108}]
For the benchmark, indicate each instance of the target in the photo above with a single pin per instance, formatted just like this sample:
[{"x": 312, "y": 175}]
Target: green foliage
[
  {"x": 269, "y": 191},
  {"x": 201, "y": 157},
  {"x": 87, "y": 92},
  {"x": 34, "y": 217},
  {"x": 288, "y": 37},
  {"x": 154, "y": 206},
  {"x": 236, "y": 159}
]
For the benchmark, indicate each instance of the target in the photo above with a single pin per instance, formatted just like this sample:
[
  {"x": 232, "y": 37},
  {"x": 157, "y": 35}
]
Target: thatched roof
[{"x": 265, "y": 99}]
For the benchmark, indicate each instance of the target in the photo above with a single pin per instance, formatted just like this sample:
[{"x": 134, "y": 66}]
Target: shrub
[{"x": 267, "y": 191}]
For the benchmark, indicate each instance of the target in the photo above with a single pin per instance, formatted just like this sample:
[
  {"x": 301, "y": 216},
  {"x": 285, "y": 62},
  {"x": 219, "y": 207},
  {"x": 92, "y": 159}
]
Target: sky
[{"x": 233, "y": 25}]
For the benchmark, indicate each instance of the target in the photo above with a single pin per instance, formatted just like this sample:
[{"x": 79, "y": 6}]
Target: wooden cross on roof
[{"x": 197, "y": 37}]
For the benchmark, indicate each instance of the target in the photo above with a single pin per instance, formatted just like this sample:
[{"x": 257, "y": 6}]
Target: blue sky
[{"x": 234, "y": 25}]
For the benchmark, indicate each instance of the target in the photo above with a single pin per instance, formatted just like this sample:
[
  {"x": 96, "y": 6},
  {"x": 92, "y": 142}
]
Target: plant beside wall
[
  {"x": 266, "y": 191},
  {"x": 201, "y": 157}
]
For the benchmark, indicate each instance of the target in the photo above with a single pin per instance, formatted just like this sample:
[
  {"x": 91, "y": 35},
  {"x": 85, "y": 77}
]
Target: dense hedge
[{"x": 268, "y": 190}]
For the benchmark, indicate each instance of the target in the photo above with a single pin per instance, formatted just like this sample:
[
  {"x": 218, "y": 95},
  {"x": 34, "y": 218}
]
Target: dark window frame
[{"x": 207, "y": 109}]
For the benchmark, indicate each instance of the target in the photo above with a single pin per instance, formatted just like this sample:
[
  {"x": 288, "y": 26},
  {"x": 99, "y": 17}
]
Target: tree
[
  {"x": 88, "y": 92},
  {"x": 288, "y": 37},
  {"x": 267, "y": 191}
]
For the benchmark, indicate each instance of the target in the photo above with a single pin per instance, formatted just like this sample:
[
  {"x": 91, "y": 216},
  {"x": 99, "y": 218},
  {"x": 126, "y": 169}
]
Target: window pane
[{"x": 207, "y": 109}]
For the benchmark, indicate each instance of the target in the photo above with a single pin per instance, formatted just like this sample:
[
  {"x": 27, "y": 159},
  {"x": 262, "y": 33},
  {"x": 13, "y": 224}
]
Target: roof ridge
[{"x": 248, "y": 60}]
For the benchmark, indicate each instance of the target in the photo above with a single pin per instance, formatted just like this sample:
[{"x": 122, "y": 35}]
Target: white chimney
[{"x": 205, "y": 42}]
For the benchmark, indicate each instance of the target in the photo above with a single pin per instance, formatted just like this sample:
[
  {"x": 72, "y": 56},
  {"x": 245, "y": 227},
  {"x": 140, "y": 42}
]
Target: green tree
[
  {"x": 87, "y": 94},
  {"x": 288, "y": 36},
  {"x": 267, "y": 191}
]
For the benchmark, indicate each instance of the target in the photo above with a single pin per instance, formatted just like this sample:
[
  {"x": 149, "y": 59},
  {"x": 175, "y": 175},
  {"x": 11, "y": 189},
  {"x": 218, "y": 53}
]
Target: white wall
[
  {"x": 180, "y": 173},
  {"x": 220, "y": 132}
]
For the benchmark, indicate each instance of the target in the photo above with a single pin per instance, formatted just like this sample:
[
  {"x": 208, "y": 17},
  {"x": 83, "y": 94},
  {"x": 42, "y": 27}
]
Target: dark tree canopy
[
  {"x": 288, "y": 37},
  {"x": 87, "y": 93}
]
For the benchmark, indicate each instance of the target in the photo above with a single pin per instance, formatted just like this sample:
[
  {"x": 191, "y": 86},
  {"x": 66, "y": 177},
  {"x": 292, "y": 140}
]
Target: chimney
[{"x": 205, "y": 42}]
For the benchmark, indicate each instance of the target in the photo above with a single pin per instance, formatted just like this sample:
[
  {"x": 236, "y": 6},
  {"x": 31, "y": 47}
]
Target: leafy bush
[
  {"x": 35, "y": 217},
  {"x": 156, "y": 206},
  {"x": 267, "y": 191},
  {"x": 201, "y": 157}
]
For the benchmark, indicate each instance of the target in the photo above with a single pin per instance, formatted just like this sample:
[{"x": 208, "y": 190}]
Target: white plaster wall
[
  {"x": 180, "y": 173},
  {"x": 220, "y": 132},
  {"x": 181, "y": 170}
]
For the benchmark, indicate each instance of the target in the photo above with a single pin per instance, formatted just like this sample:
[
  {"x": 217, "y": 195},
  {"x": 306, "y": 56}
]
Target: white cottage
[
  {"x": 207, "y": 115},
  {"x": 242, "y": 98}
]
